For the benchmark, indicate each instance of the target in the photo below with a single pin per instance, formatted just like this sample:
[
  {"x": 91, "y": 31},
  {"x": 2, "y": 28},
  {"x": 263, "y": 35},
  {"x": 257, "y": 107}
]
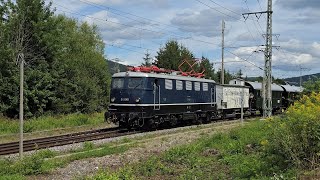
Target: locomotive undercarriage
[{"x": 149, "y": 118}]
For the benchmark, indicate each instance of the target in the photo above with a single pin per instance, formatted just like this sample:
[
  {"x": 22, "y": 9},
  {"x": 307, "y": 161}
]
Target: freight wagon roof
[
  {"x": 159, "y": 75},
  {"x": 258, "y": 86},
  {"x": 290, "y": 88},
  {"x": 233, "y": 85}
]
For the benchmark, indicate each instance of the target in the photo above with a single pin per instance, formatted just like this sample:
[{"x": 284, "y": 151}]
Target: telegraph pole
[
  {"x": 268, "y": 58},
  {"x": 267, "y": 78},
  {"x": 20, "y": 60},
  {"x": 222, "y": 52}
]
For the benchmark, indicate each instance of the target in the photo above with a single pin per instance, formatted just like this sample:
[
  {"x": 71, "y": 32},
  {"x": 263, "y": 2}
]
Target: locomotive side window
[
  {"x": 188, "y": 85},
  {"x": 168, "y": 84},
  {"x": 179, "y": 85},
  {"x": 197, "y": 86},
  {"x": 135, "y": 83},
  {"x": 205, "y": 86},
  {"x": 118, "y": 83}
]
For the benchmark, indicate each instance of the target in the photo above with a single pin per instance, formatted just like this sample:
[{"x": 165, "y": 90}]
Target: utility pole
[
  {"x": 222, "y": 52},
  {"x": 267, "y": 78},
  {"x": 242, "y": 101},
  {"x": 20, "y": 60},
  {"x": 268, "y": 58}
]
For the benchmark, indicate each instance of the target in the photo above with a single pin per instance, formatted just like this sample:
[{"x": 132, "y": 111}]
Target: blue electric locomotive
[{"x": 139, "y": 99}]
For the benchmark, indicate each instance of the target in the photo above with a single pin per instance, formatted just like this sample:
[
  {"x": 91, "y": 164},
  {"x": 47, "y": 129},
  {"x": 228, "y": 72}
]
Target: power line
[
  {"x": 126, "y": 49},
  {"x": 218, "y": 10},
  {"x": 225, "y": 8},
  {"x": 108, "y": 8},
  {"x": 231, "y": 16},
  {"x": 104, "y": 20},
  {"x": 245, "y": 59},
  {"x": 144, "y": 29},
  {"x": 259, "y": 33},
  {"x": 114, "y": 9}
]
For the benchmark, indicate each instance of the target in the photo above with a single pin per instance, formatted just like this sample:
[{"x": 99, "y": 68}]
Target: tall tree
[
  {"x": 208, "y": 67},
  {"x": 147, "y": 60},
  {"x": 227, "y": 76},
  {"x": 171, "y": 55},
  {"x": 239, "y": 74}
]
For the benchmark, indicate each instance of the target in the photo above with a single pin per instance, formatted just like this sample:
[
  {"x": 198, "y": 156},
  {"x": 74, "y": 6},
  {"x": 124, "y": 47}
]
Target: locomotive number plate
[{"x": 124, "y": 99}]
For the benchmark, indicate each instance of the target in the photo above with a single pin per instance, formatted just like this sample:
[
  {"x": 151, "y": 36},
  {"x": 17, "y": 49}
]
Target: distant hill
[
  {"x": 253, "y": 79},
  {"x": 292, "y": 81},
  {"x": 296, "y": 80},
  {"x": 115, "y": 67}
]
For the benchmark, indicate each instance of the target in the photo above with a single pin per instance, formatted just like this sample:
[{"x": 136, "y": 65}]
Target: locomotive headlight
[
  {"x": 113, "y": 99},
  {"x": 138, "y": 100}
]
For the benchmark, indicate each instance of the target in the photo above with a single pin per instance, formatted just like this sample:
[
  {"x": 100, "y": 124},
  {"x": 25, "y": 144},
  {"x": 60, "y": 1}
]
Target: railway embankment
[
  {"x": 282, "y": 147},
  {"x": 85, "y": 159}
]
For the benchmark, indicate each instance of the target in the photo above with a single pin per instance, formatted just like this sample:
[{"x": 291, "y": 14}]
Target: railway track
[
  {"x": 60, "y": 140},
  {"x": 46, "y": 142}
]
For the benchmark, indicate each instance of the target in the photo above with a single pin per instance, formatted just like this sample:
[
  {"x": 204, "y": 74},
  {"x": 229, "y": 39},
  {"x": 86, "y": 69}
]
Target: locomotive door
[
  {"x": 213, "y": 95},
  {"x": 156, "y": 95}
]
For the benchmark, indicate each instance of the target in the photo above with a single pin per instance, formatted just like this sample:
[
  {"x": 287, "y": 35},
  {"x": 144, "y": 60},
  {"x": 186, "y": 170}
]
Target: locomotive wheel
[
  {"x": 123, "y": 124},
  {"x": 197, "y": 119},
  {"x": 150, "y": 124},
  {"x": 173, "y": 120},
  {"x": 207, "y": 118}
]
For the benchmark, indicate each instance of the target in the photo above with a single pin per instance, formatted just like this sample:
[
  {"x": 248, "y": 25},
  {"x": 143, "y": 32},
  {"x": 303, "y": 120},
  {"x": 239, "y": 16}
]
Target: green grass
[
  {"x": 10, "y": 126},
  {"x": 44, "y": 161},
  {"x": 239, "y": 154}
]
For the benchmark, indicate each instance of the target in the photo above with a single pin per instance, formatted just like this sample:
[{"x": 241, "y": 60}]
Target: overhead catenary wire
[
  {"x": 127, "y": 25},
  {"x": 239, "y": 14},
  {"x": 126, "y": 49},
  {"x": 124, "y": 12},
  {"x": 231, "y": 16},
  {"x": 104, "y": 20},
  {"x": 245, "y": 60},
  {"x": 259, "y": 33},
  {"x": 218, "y": 10}
]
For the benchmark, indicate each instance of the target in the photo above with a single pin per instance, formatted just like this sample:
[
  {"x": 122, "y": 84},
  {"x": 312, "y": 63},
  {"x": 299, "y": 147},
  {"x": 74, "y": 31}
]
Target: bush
[
  {"x": 295, "y": 138},
  {"x": 29, "y": 165}
]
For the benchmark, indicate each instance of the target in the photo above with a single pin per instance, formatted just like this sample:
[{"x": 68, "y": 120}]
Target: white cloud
[
  {"x": 190, "y": 20},
  {"x": 148, "y": 3}
]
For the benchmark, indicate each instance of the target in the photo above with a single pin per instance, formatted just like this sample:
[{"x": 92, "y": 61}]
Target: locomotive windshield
[
  {"x": 128, "y": 83},
  {"x": 135, "y": 83},
  {"x": 118, "y": 83}
]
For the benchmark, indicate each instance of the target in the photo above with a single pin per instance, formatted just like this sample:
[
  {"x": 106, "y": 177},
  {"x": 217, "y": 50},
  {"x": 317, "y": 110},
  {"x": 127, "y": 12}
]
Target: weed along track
[
  {"x": 53, "y": 141},
  {"x": 41, "y": 143}
]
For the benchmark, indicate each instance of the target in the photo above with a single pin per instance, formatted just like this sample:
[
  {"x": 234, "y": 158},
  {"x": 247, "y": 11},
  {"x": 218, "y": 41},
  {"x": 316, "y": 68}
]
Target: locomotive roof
[
  {"x": 165, "y": 76},
  {"x": 290, "y": 88},
  {"x": 258, "y": 86}
]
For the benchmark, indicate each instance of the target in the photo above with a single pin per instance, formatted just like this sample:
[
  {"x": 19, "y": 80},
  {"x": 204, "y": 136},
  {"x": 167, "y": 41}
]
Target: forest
[{"x": 65, "y": 68}]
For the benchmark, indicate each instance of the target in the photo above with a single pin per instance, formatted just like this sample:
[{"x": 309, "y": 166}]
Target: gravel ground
[{"x": 164, "y": 140}]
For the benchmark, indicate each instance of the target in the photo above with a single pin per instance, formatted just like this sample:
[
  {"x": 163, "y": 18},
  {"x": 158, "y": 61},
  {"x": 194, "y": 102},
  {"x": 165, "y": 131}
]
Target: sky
[{"x": 130, "y": 29}]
